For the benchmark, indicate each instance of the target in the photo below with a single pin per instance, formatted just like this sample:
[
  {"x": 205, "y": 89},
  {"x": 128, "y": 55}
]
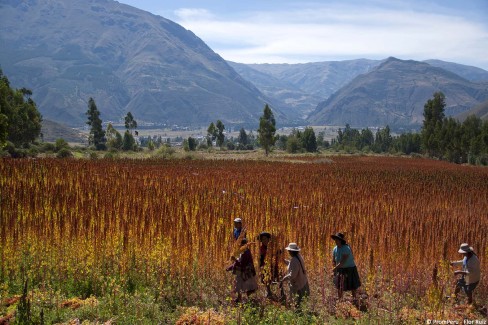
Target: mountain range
[
  {"x": 394, "y": 93},
  {"x": 127, "y": 59}
]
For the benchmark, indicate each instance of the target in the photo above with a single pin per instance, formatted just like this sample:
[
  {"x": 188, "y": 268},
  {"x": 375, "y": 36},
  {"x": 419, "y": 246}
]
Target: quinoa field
[{"x": 147, "y": 241}]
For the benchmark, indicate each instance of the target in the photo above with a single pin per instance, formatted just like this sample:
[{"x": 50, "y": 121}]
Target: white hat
[
  {"x": 293, "y": 247},
  {"x": 465, "y": 248},
  {"x": 237, "y": 220}
]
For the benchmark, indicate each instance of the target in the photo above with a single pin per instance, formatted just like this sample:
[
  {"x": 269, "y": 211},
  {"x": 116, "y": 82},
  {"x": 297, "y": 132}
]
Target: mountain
[
  {"x": 67, "y": 51},
  {"x": 467, "y": 72},
  {"x": 394, "y": 93},
  {"x": 300, "y": 87},
  {"x": 51, "y": 131},
  {"x": 480, "y": 110}
]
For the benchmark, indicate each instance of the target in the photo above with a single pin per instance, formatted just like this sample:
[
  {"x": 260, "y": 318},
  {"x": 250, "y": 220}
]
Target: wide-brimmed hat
[
  {"x": 292, "y": 247},
  {"x": 465, "y": 248},
  {"x": 339, "y": 236},
  {"x": 264, "y": 234},
  {"x": 237, "y": 220}
]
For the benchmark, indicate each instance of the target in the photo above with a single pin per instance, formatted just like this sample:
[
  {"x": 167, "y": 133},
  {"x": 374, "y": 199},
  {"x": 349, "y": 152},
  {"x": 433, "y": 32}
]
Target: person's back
[
  {"x": 472, "y": 266},
  {"x": 298, "y": 274}
]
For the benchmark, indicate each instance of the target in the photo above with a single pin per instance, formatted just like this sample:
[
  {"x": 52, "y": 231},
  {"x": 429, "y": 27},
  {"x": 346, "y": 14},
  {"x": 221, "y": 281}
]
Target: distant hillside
[
  {"x": 51, "y": 131},
  {"x": 394, "y": 93},
  {"x": 465, "y": 71},
  {"x": 300, "y": 87},
  {"x": 480, "y": 110},
  {"x": 126, "y": 59}
]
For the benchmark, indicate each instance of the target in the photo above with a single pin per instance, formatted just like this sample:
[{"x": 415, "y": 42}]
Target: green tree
[
  {"x": 3, "y": 130},
  {"x": 281, "y": 141},
  {"x": 366, "y": 138},
  {"x": 211, "y": 134},
  {"x": 433, "y": 119},
  {"x": 128, "y": 142},
  {"x": 192, "y": 144},
  {"x": 472, "y": 136},
  {"x": 220, "y": 133},
  {"x": 61, "y": 144},
  {"x": 293, "y": 144},
  {"x": 97, "y": 134},
  {"x": 407, "y": 143},
  {"x": 309, "y": 141},
  {"x": 383, "y": 140},
  {"x": 243, "y": 138},
  {"x": 130, "y": 123},
  {"x": 20, "y": 121},
  {"x": 267, "y": 129},
  {"x": 114, "y": 138}
]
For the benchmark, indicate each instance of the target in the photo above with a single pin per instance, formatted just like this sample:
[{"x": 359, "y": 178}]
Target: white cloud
[
  {"x": 324, "y": 33},
  {"x": 194, "y": 14}
]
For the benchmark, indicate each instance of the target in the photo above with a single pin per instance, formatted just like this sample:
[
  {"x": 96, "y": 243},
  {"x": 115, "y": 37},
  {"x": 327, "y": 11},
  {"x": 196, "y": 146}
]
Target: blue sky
[{"x": 285, "y": 31}]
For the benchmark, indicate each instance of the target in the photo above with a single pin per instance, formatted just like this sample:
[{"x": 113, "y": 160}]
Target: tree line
[{"x": 440, "y": 137}]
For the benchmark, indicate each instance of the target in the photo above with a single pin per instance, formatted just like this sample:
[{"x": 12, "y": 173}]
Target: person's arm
[
  {"x": 231, "y": 267},
  {"x": 344, "y": 257},
  {"x": 293, "y": 271},
  {"x": 454, "y": 263},
  {"x": 460, "y": 272}
]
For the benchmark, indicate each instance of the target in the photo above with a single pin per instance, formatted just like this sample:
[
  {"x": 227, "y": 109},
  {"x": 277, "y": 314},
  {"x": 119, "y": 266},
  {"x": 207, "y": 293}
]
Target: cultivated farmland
[{"x": 161, "y": 231}]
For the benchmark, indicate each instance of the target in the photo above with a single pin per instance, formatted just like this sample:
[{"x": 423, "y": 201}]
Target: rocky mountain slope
[
  {"x": 126, "y": 59},
  {"x": 394, "y": 93}
]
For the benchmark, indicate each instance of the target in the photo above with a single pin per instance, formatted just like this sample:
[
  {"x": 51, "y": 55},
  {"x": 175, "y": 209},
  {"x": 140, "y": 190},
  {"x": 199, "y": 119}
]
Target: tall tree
[
  {"x": 3, "y": 129},
  {"x": 20, "y": 121},
  {"x": 192, "y": 144},
  {"x": 433, "y": 118},
  {"x": 242, "y": 139},
  {"x": 267, "y": 129},
  {"x": 130, "y": 123},
  {"x": 128, "y": 142},
  {"x": 309, "y": 141},
  {"x": 97, "y": 134},
  {"x": 211, "y": 133},
  {"x": 220, "y": 133},
  {"x": 114, "y": 138}
]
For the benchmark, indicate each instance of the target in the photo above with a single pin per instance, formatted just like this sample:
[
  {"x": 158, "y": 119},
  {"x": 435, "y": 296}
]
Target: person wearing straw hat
[
  {"x": 346, "y": 276},
  {"x": 470, "y": 272},
  {"x": 296, "y": 274}
]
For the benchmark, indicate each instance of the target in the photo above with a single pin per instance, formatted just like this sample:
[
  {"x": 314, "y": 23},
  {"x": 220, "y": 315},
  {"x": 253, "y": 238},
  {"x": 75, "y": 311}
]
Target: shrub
[
  {"x": 64, "y": 153},
  {"x": 60, "y": 144},
  {"x": 48, "y": 147}
]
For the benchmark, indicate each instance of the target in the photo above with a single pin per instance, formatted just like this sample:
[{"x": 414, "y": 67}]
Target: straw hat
[
  {"x": 465, "y": 248},
  {"x": 292, "y": 247},
  {"x": 237, "y": 220}
]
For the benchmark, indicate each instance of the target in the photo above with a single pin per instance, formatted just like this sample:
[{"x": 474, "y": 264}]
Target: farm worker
[
  {"x": 296, "y": 274},
  {"x": 243, "y": 268},
  {"x": 346, "y": 276},
  {"x": 470, "y": 272},
  {"x": 237, "y": 228},
  {"x": 266, "y": 267}
]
